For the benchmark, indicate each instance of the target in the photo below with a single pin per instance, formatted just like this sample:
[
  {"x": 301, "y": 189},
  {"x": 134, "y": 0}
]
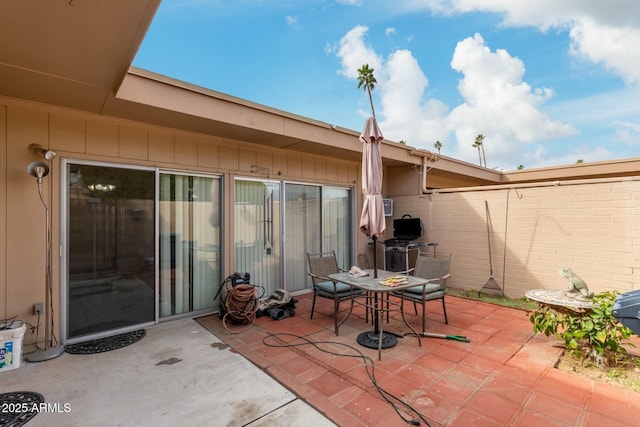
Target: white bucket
[{"x": 11, "y": 346}]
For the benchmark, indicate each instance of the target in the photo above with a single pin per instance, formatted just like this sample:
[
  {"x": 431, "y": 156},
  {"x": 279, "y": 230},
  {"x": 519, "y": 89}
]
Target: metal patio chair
[
  {"x": 320, "y": 266},
  {"x": 363, "y": 261},
  {"x": 436, "y": 270}
]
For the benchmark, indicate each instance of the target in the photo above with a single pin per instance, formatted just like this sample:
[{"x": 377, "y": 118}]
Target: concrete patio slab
[{"x": 178, "y": 374}]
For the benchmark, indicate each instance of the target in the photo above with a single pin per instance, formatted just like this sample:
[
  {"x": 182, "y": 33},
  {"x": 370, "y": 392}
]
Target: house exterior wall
[
  {"x": 84, "y": 136},
  {"x": 589, "y": 226}
]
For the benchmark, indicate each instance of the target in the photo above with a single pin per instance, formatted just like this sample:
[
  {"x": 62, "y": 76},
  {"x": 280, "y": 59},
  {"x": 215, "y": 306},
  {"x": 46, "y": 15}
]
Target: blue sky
[{"x": 546, "y": 82}]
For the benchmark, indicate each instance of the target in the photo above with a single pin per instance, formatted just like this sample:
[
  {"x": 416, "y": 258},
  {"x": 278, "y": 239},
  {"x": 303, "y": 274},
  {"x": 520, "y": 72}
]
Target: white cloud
[
  {"x": 629, "y": 133},
  {"x": 604, "y": 32},
  {"x": 497, "y": 102},
  {"x": 354, "y": 53},
  {"x": 401, "y": 83},
  {"x": 390, "y": 31},
  {"x": 613, "y": 47},
  {"x": 546, "y": 13},
  {"x": 407, "y": 116},
  {"x": 350, "y": 2},
  {"x": 601, "y": 108},
  {"x": 582, "y": 152},
  {"x": 292, "y": 21}
]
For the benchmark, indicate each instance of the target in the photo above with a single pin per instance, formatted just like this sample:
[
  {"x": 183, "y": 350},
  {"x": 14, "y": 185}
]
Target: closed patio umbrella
[{"x": 372, "y": 222}]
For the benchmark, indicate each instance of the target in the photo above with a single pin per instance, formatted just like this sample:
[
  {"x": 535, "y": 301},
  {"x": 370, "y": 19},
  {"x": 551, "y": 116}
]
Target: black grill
[
  {"x": 400, "y": 251},
  {"x": 397, "y": 243}
]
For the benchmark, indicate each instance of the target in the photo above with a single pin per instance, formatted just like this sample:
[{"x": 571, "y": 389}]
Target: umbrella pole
[
  {"x": 375, "y": 257},
  {"x": 375, "y": 276}
]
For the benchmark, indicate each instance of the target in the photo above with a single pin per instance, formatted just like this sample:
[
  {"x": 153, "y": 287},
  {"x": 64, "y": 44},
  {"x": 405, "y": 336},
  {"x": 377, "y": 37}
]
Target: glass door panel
[
  {"x": 189, "y": 243},
  {"x": 257, "y": 232},
  {"x": 337, "y": 223},
  {"x": 111, "y": 214},
  {"x": 303, "y": 232}
]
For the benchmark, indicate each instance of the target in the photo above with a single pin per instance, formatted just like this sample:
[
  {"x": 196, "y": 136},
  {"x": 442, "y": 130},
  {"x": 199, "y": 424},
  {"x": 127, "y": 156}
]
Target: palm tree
[
  {"x": 478, "y": 144},
  {"x": 438, "y": 146},
  {"x": 366, "y": 79}
]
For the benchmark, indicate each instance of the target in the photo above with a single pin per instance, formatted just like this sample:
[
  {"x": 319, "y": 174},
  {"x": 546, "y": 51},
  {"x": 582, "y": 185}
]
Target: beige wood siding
[{"x": 84, "y": 136}]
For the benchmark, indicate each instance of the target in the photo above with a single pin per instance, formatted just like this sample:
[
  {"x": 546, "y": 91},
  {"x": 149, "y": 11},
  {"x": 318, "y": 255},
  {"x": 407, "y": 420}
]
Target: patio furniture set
[{"x": 381, "y": 292}]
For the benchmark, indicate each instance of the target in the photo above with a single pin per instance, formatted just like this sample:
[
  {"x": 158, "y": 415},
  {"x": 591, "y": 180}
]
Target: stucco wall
[
  {"x": 589, "y": 226},
  {"x": 77, "y": 135}
]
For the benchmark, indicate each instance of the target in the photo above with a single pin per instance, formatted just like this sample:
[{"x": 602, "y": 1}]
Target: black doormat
[
  {"x": 105, "y": 344},
  {"x": 18, "y": 407}
]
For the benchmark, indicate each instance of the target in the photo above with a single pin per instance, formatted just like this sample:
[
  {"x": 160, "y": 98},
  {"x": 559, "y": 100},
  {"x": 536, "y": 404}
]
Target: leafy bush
[{"x": 591, "y": 335}]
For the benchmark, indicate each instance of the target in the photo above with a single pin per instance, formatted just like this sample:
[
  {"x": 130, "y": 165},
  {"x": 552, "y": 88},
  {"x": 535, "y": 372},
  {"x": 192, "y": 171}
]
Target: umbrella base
[{"x": 371, "y": 339}]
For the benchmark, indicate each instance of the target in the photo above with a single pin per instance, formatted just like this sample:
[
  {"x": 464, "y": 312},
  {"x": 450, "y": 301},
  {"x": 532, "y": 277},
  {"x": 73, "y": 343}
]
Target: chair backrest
[
  {"x": 363, "y": 261},
  {"x": 430, "y": 267},
  {"x": 322, "y": 264}
]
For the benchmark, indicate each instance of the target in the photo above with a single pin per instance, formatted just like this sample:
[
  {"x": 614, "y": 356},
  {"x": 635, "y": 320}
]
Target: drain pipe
[
  {"x": 425, "y": 169},
  {"x": 426, "y": 192}
]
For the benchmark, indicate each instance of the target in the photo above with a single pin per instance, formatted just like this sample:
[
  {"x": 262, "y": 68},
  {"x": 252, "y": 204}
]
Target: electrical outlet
[{"x": 38, "y": 308}]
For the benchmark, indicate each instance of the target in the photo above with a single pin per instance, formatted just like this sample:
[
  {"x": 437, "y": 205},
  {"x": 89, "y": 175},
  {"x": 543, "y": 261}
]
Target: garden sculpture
[{"x": 578, "y": 289}]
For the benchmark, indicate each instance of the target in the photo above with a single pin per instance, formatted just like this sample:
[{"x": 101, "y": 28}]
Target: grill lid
[{"x": 407, "y": 228}]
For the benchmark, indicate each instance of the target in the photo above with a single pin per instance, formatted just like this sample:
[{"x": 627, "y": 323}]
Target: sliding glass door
[
  {"x": 318, "y": 219},
  {"x": 314, "y": 218},
  {"x": 189, "y": 243},
  {"x": 110, "y": 248},
  {"x": 136, "y": 240}
]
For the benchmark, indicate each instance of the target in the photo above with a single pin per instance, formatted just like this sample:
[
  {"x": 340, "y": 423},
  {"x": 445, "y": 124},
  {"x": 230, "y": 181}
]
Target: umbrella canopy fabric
[{"x": 372, "y": 221}]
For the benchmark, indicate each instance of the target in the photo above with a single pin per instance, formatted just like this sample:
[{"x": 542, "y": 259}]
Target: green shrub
[{"x": 593, "y": 335}]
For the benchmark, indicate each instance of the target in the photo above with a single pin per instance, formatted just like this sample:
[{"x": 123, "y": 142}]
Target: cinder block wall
[{"x": 589, "y": 226}]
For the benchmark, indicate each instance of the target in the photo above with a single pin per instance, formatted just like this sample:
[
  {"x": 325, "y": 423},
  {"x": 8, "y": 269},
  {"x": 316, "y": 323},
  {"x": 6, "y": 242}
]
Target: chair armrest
[
  {"x": 321, "y": 278},
  {"x": 406, "y": 271}
]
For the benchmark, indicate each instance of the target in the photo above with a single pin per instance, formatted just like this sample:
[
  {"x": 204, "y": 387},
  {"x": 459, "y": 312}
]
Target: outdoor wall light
[
  {"x": 37, "y": 149},
  {"x": 38, "y": 170}
]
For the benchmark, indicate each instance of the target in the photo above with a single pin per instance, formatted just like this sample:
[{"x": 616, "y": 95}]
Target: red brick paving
[{"x": 504, "y": 377}]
